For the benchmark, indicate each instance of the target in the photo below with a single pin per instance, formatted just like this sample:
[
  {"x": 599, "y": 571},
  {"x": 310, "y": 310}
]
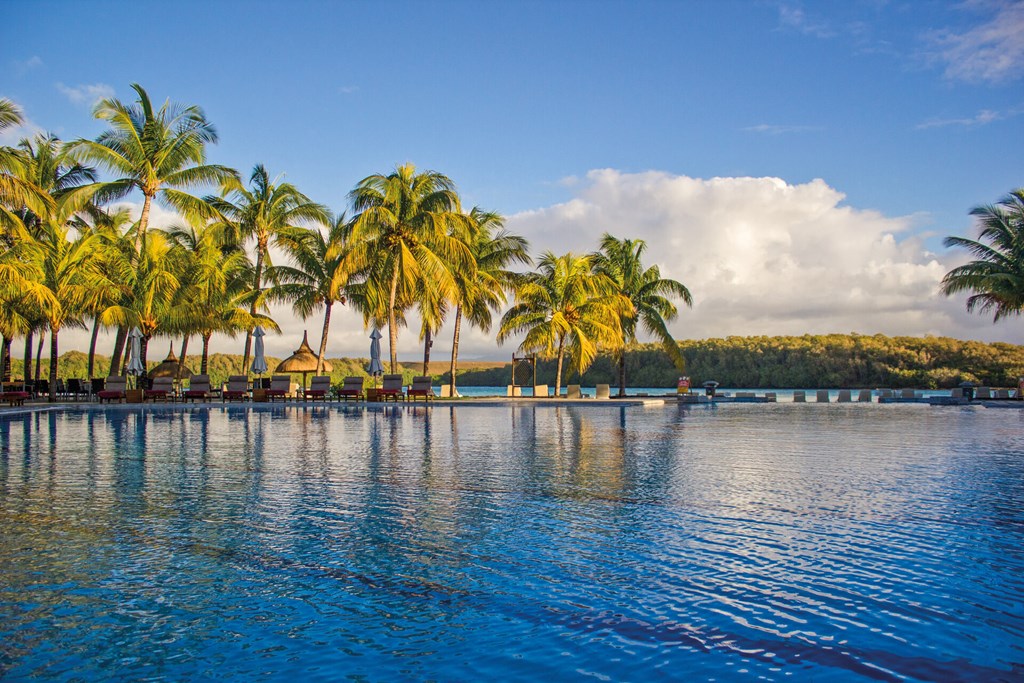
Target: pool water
[{"x": 737, "y": 542}]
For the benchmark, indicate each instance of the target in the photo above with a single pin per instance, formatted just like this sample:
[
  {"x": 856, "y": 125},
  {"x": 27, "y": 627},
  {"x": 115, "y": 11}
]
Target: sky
[{"x": 795, "y": 164}]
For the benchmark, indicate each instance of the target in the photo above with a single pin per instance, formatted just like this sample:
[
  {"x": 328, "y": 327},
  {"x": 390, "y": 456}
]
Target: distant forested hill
[{"x": 810, "y": 361}]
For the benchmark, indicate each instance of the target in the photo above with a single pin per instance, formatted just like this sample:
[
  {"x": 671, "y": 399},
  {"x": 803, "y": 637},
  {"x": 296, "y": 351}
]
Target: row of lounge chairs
[{"x": 238, "y": 389}]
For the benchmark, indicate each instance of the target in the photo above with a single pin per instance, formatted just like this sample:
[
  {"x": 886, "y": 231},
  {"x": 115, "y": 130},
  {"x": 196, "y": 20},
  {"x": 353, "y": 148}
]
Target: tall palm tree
[
  {"x": 261, "y": 212},
  {"x": 404, "y": 231},
  {"x": 996, "y": 276},
  {"x": 649, "y": 295},
  {"x": 68, "y": 275},
  {"x": 494, "y": 250},
  {"x": 320, "y": 276},
  {"x": 158, "y": 152},
  {"x": 17, "y": 190},
  {"x": 566, "y": 310},
  {"x": 148, "y": 286},
  {"x": 112, "y": 228},
  {"x": 216, "y": 276}
]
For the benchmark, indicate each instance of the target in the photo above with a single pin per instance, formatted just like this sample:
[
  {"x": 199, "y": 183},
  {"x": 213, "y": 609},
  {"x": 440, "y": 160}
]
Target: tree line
[{"x": 804, "y": 362}]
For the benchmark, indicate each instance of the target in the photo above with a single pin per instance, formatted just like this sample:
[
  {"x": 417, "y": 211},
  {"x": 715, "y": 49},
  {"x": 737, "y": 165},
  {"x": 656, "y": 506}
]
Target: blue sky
[{"x": 887, "y": 121}]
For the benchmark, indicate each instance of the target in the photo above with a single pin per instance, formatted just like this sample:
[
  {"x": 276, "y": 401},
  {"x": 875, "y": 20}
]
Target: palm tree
[
  {"x": 494, "y": 250},
  {"x": 112, "y": 229},
  {"x": 68, "y": 275},
  {"x": 648, "y": 293},
  {"x": 565, "y": 308},
  {"x": 17, "y": 191},
  {"x": 320, "y": 276},
  {"x": 148, "y": 286},
  {"x": 404, "y": 232},
  {"x": 262, "y": 212},
  {"x": 159, "y": 153},
  {"x": 216, "y": 293},
  {"x": 996, "y": 276}
]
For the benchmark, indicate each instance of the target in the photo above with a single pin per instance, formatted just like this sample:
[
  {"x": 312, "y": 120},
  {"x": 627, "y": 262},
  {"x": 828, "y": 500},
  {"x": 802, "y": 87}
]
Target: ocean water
[{"x": 454, "y": 543}]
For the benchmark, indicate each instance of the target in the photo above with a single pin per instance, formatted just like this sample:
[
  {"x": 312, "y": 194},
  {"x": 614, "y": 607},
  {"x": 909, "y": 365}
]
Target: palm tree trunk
[
  {"x": 427, "y": 343},
  {"x": 5, "y": 360},
  {"x": 392, "y": 331},
  {"x": 92, "y": 347},
  {"x": 27, "y": 365},
  {"x": 39, "y": 353},
  {"x": 144, "y": 351},
  {"x": 206, "y": 352},
  {"x": 558, "y": 373},
  {"x": 53, "y": 362},
  {"x": 143, "y": 223},
  {"x": 115, "y": 357},
  {"x": 622, "y": 372},
  {"x": 181, "y": 356},
  {"x": 323, "y": 339},
  {"x": 455, "y": 350},
  {"x": 261, "y": 247}
]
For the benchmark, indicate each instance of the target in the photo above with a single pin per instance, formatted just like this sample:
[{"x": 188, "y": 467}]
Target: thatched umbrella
[
  {"x": 303, "y": 361},
  {"x": 171, "y": 367}
]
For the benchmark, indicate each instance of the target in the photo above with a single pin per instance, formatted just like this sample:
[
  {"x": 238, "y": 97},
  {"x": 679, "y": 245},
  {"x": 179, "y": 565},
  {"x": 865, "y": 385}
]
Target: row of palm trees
[{"x": 65, "y": 260}]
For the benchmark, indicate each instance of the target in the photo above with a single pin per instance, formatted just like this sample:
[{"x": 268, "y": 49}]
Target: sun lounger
[
  {"x": 844, "y": 396},
  {"x": 280, "y": 387},
  {"x": 421, "y": 386},
  {"x": 198, "y": 388},
  {"x": 864, "y": 396},
  {"x": 15, "y": 396},
  {"x": 822, "y": 395},
  {"x": 238, "y": 389},
  {"x": 162, "y": 390},
  {"x": 319, "y": 388},
  {"x": 799, "y": 396},
  {"x": 352, "y": 387},
  {"x": 603, "y": 391},
  {"x": 392, "y": 388},
  {"x": 573, "y": 391},
  {"x": 113, "y": 389}
]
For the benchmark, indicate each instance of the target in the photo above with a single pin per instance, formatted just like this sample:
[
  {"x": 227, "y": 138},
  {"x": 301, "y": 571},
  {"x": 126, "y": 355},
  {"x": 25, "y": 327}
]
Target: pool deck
[{"x": 41, "y": 405}]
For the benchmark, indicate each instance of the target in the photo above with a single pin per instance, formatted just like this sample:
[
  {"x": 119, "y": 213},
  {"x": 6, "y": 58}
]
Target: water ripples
[{"x": 834, "y": 542}]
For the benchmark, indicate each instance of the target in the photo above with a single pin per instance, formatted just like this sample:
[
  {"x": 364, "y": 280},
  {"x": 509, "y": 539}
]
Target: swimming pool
[{"x": 456, "y": 543}]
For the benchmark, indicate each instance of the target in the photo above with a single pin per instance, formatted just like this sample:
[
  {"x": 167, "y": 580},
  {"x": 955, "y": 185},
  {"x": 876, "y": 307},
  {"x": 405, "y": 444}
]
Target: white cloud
[
  {"x": 22, "y": 67},
  {"x": 762, "y": 256},
  {"x": 793, "y": 17},
  {"x": 990, "y": 52},
  {"x": 982, "y": 118},
  {"x": 86, "y": 94},
  {"x": 775, "y": 129}
]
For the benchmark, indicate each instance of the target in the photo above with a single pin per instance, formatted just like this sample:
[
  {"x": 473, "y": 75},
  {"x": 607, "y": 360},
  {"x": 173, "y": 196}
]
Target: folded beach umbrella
[
  {"x": 375, "y": 369},
  {"x": 259, "y": 361},
  {"x": 135, "y": 364}
]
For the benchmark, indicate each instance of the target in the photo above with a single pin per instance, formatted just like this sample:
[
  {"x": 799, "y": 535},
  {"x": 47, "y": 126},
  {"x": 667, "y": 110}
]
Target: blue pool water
[{"x": 603, "y": 542}]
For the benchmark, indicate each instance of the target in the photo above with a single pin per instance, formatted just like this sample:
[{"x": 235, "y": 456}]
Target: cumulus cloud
[
  {"x": 87, "y": 95},
  {"x": 793, "y": 17},
  {"x": 763, "y": 256},
  {"x": 991, "y": 52}
]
